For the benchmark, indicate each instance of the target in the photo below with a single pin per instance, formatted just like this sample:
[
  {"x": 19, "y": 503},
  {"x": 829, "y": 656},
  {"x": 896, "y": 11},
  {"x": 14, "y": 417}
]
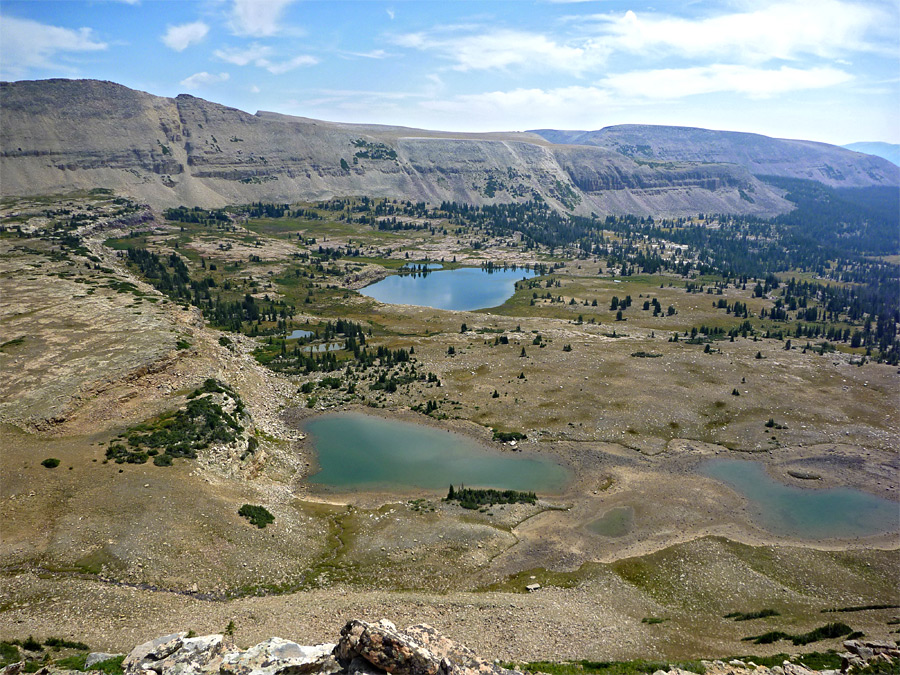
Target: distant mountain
[
  {"x": 889, "y": 151},
  {"x": 60, "y": 135},
  {"x": 760, "y": 155}
]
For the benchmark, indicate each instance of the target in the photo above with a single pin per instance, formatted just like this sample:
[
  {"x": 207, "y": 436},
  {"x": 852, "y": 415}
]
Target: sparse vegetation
[
  {"x": 182, "y": 433},
  {"x": 828, "y": 631}
]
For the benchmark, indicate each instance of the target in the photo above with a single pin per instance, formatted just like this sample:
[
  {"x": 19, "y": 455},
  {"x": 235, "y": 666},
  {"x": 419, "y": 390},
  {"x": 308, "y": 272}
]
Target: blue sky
[{"x": 826, "y": 70}]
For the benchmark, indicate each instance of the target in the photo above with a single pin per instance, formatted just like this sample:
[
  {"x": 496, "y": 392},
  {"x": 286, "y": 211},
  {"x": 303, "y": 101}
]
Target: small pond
[
  {"x": 359, "y": 451},
  {"x": 806, "y": 513},
  {"x": 462, "y": 289},
  {"x": 616, "y": 522},
  {"x": 299, "y": 334}
]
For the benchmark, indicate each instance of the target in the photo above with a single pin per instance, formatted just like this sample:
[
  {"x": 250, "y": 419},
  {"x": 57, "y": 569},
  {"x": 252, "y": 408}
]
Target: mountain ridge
[
  {"x": 761, "y": 155},
  {"x": 888, "y": 151},
  {"x": 62, "y": 135}
]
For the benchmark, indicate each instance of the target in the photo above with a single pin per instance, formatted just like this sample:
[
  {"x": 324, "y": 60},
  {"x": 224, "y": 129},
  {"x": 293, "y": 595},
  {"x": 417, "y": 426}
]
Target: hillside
[
  {"x": 760, "y": 155},
  {"x": 60, "y": 135}
]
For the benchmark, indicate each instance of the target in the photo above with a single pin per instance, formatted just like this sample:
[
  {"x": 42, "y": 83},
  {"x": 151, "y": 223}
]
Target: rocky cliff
[
  {"x": 759, "y": 155},
  {"x": 60, "y": 135}
]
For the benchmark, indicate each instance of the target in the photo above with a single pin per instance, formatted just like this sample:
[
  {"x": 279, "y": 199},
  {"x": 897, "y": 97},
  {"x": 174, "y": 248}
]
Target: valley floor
[{"x": 112, "y": 553}]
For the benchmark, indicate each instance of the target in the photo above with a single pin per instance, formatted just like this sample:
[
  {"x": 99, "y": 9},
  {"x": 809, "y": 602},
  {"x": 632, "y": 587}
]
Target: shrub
[
  {"x": 747, "y": 616},
  {"x": 50, "y": 463},
  {"x": 31, "y": 644},
  {"x": 61, "y": 642},
  {"x": 257, "y": 515}
]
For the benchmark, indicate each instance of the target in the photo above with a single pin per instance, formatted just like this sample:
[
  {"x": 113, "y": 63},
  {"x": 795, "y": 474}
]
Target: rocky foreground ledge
[{"x": 379, "y": 648}]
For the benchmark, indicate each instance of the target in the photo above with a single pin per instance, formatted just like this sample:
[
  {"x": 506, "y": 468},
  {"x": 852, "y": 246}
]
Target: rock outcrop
[{"x": 378, "y": 648}]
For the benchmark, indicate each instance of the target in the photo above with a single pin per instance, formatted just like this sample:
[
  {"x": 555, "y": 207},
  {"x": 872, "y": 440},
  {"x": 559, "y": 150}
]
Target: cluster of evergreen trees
[{"x": 475, "y": 498}]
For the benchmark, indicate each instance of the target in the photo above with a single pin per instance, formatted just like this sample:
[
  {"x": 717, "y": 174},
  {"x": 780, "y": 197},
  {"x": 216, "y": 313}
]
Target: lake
[
  {"x": 807, "y": 513},
  {"x": 299, "y": 334},
  {"x": 365, "y": 452},
  {"x": 462, "y": 289}
]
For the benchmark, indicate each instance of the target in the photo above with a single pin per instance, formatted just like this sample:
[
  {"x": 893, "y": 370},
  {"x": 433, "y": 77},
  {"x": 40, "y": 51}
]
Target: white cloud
[
  {"x": 28, "y": 45},
  {"x": 777, "y": 30},
  {"x": 374, "y": 54},
  {"x": 391, "y": 13},
  {"x": 183, "y": 36},
  {"x": 258, "y": 55},
  {"x": 502, "y": 49},
  {"x": 202, "y": 79},
  {"x": 563, "y": 107},
  {"x": 258, "y": 18},
  {"x": 674, "y": 83},
  {"x": 291, "y": 64}
]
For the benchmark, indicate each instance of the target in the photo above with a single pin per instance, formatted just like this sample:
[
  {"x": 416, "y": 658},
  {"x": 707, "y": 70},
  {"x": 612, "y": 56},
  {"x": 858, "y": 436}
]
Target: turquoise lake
[
  {"x": 359, "y": 451},
  {"x": 807, "y": 513},
  {"x": 462, "y": 289}
]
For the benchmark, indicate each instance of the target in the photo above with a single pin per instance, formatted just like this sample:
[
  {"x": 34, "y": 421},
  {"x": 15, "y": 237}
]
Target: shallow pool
[{"x": 807, "y": 513}]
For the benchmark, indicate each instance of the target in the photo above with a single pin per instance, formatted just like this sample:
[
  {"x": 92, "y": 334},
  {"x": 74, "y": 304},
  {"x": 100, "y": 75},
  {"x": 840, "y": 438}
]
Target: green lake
[
  {"x": 359, "y": 451},
  {"x": 806, "y": 513},
  {"x": 617, "y": 522}
]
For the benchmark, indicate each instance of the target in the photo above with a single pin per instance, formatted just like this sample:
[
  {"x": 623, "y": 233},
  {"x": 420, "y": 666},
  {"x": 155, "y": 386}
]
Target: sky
[{"x": 824, "y": 70}]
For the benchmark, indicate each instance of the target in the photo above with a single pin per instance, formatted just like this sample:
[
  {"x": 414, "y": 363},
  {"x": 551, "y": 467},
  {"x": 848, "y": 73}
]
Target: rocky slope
[
  {"x": 60, "y": 135},
  {"x": 760, "y": 155}
]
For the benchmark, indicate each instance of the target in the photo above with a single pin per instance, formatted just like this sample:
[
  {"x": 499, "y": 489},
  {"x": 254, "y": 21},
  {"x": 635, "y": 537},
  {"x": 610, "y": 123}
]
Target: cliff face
[
  {"x": 759, "y": 155},
  {"x": 60, "y": 135}
]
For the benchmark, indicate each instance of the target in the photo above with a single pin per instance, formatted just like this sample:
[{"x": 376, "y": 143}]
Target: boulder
[
  {"x": 382, "y": 645},
  {"x": 149, "y": 652},
  {"x": 276, "y": 656}
]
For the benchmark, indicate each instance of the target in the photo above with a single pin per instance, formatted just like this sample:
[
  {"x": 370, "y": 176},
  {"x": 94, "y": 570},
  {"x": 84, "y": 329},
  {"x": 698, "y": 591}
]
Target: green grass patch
[
  {"x": 74, "y": 662},
  {"x": 9, "y": 653},
  {"x": 111, "y": 666}
]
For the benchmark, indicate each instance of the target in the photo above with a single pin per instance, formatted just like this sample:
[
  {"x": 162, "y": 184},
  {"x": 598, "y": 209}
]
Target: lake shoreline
[{"x": 637, "y": 479}]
